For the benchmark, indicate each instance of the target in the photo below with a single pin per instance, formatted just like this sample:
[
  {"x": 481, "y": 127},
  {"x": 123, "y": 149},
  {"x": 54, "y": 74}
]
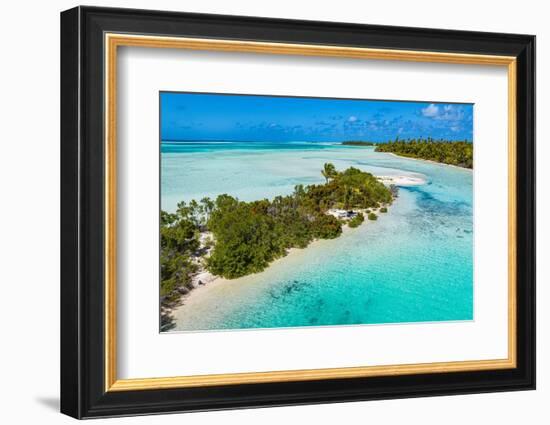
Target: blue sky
[{"x": 195, "y": 116}]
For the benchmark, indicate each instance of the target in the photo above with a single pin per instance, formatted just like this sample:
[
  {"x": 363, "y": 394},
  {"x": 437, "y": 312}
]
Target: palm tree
[{"x": 328, "y": 171}]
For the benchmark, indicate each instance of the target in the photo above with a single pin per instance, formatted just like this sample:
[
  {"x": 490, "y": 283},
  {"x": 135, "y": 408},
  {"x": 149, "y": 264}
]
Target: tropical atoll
[{"x": 232, "y": 238}]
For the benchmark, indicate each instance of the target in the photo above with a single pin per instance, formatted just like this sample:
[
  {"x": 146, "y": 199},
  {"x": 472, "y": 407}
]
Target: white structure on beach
[{"x": 342, "y": 214}]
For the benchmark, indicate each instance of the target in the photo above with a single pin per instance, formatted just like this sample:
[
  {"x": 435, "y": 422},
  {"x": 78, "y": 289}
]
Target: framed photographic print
[{"x": 261, "y": 212}]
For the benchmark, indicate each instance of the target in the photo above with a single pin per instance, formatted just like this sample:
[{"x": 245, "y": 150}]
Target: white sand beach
[
  {"x": 198, "y": 302},
  {"x": 428, "y": 161},
  {"x": 402, "y": 180}
]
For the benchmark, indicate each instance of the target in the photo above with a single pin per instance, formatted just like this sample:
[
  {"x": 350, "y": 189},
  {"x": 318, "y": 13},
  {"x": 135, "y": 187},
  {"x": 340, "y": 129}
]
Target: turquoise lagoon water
[{"x": 414, "y": 264}]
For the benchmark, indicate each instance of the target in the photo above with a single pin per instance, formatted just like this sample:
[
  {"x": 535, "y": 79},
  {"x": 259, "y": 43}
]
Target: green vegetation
[
  {"x": 383, "y": 210},
  {"x": 372, "y": 216},
  {"x": 358, "y": 143},
  {"x": 180, "y": 247},
  {"x": 459, "y": 153},
  {"x": 356, "y": 221},
  {"x": 329, "y": 171},
  {"x": 247, "y": 236},
  {"x": 178, "y": 242}
]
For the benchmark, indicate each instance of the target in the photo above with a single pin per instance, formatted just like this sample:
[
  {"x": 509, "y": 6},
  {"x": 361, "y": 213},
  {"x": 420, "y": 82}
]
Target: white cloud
[
  {"x": 431, "y": 111},
  {"x": 353, "y": 118},
  {"x": 451, "y": 113},
  {"x": 443, "y": 112}
]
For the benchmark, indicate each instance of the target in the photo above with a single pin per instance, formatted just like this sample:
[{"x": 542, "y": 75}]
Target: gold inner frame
[{"x": 113, "y": 41}]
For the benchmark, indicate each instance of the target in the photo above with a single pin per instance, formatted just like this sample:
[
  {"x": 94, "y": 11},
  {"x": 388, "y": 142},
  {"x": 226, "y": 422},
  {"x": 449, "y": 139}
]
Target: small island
[
  {"x": 231, "y": 238},
  {"x": 458, "y": 153}
]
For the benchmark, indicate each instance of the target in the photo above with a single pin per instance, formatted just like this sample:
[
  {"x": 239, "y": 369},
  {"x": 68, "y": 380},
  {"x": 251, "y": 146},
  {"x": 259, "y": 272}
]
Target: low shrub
[{"x": 357, "y": 220}]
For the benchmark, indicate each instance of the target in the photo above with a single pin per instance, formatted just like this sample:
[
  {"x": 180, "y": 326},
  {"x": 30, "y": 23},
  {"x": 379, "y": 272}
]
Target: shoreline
[
  {"x": 428, "y": 160},
  {"x": 210, "y": 282},
  {"x": 215, "y": 281},
  {"x": 198, "y": 296}
]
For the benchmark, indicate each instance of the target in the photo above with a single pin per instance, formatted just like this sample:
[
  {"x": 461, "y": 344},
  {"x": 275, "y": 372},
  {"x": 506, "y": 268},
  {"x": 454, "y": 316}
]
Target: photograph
[{"x": 285, "y": 211}]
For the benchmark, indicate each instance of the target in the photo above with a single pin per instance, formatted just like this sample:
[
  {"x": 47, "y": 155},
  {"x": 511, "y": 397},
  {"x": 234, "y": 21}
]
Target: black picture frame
[{"x": 83, "y": 392}]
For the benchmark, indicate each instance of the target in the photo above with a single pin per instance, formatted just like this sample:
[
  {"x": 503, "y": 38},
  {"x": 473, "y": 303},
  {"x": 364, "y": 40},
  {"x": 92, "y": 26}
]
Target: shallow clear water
[{"x": 414, "y": 264}]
